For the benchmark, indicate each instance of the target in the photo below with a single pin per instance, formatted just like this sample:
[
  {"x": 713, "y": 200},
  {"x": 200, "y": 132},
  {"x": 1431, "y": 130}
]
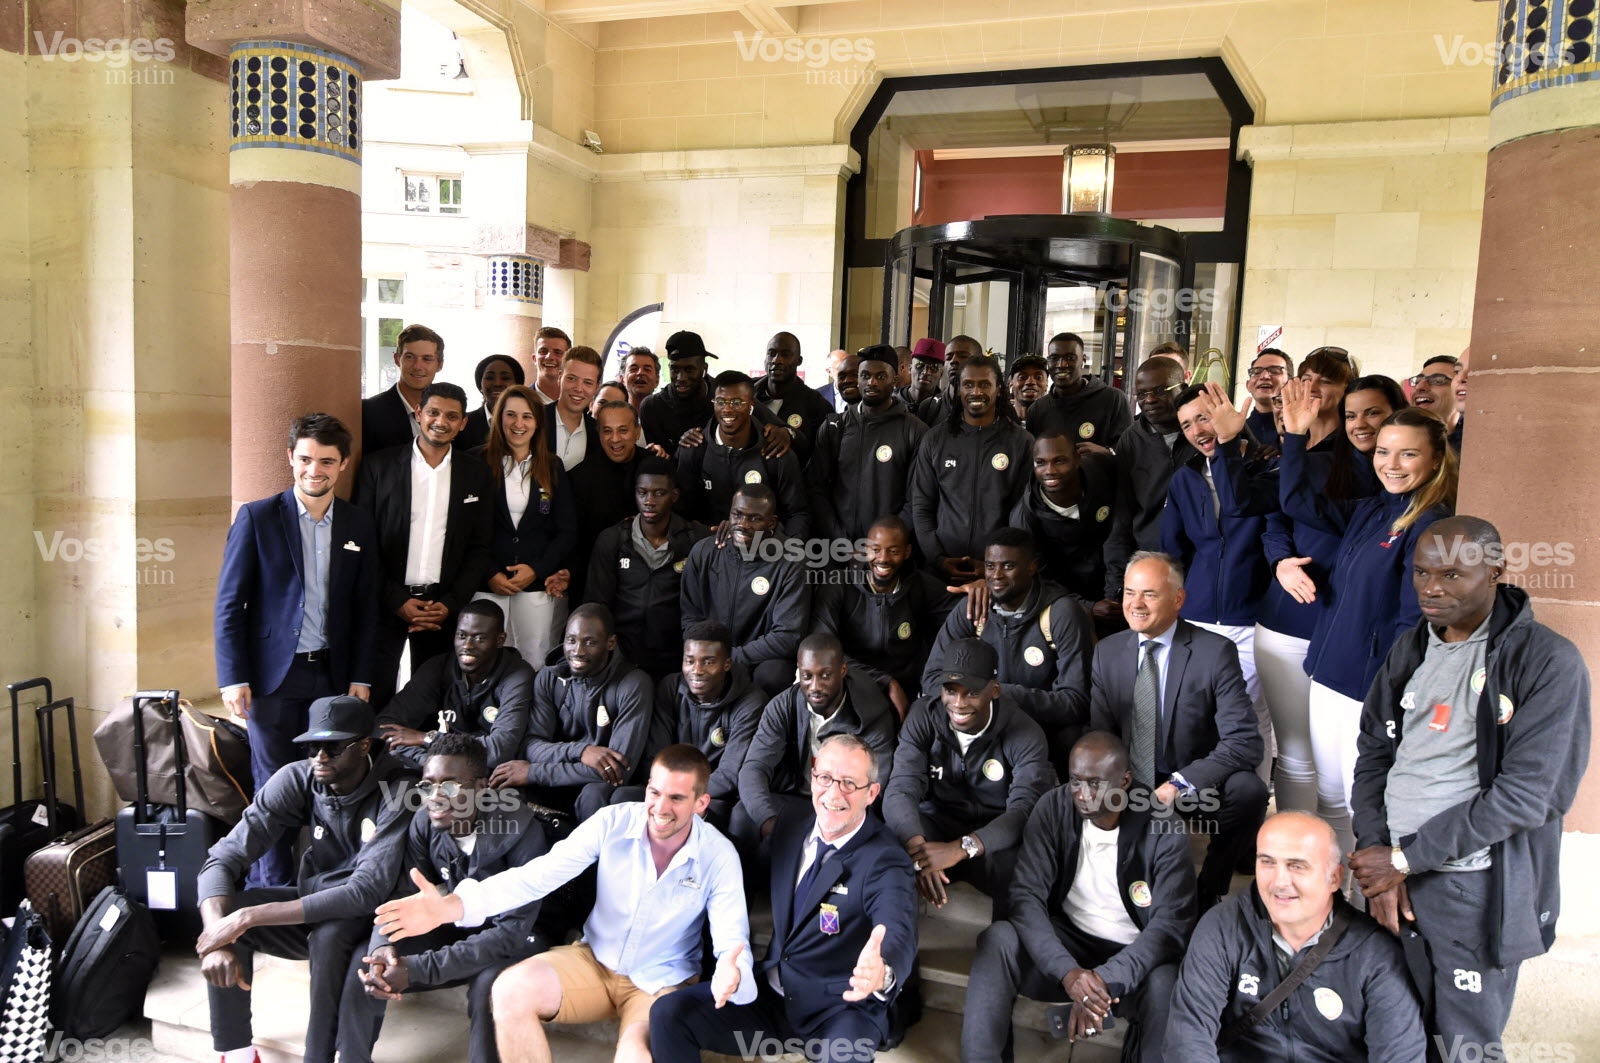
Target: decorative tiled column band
[
  {"x": 514, "y": 289},
  {"x": 295, "y": 96},
  {"x": 517, "y": 278}
]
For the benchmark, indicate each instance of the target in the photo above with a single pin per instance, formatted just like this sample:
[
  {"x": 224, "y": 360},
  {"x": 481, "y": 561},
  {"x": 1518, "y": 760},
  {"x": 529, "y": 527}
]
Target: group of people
[{"x": 676, "y": 647}]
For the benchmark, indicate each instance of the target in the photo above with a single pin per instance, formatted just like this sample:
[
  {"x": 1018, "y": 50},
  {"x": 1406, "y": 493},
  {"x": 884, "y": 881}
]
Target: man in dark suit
[
  {"x": 1175, "y": 694},
  {"x": 389, "y": 418},
  {"x": 844, "y": 934},
  {"x": 434, "y": 517},
  {"x": 296, "y": 606},
  {"x": 569, "y": 429}
]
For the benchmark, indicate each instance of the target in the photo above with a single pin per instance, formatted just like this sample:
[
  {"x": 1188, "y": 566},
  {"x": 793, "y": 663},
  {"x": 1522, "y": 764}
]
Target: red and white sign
[{"x": 1266, "y": 336}]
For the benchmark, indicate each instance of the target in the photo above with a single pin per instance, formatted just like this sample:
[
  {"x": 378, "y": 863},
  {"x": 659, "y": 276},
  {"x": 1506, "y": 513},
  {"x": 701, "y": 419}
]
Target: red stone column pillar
[
  {"x": 298, "y": 72},
  {"x": 1528, "y": 457}
]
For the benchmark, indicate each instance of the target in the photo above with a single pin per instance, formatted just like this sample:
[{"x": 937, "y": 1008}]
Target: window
[
  {"x": 432, "y": 194},
  {"x": 381, "y": 322},
  {"x": 391, "y": 291}
]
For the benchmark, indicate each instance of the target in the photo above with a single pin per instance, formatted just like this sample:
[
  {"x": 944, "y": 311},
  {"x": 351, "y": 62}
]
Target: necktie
[
  {"x": 824, "y": 854},
  {"x": 1146, "y": 714}
]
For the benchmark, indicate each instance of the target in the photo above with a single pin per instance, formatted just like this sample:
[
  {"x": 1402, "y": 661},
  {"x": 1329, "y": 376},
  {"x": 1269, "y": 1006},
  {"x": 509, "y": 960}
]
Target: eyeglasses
[
  {"x": 1153, "y": 395},
  {"x": 822, "y": 780},
  {"x": 1267, "y": 370},
  {"x": 333, "y": 750},
  {"x": 448, "y": 789},
  {"x": 729, "y": 404},
  {"x": 1436, "y": 380}
]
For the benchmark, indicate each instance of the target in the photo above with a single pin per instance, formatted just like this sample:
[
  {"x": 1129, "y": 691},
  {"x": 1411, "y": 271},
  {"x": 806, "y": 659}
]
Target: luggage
[
  {"x": 217, "y": 753},
  {"x": 25, "y": 824},
  {"x": 105, "y": 967},
  {"x": 63, "y": 877},
  {"x": 161, "y": 848},
  {"x": 24, "y": 988}
]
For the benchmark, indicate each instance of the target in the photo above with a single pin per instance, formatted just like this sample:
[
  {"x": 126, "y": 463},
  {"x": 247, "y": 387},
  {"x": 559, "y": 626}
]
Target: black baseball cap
[
  {"x": 337, "y": 719},
  {"x": 686, "y": 345},
  {"x": 972, "y": 663}
]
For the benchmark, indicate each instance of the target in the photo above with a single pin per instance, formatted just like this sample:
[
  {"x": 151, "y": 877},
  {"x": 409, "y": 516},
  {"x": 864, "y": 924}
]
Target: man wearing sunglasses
[
  {"x": 351, "y": 794},
  {"x": 1434, "y": 390}
]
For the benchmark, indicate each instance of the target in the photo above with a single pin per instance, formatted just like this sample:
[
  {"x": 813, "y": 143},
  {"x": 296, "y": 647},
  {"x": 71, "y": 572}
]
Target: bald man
[
  {"x": 797, "y": 407},
  {"x": 830, "y": 390},
  {"x": 1349, "y": 999}
]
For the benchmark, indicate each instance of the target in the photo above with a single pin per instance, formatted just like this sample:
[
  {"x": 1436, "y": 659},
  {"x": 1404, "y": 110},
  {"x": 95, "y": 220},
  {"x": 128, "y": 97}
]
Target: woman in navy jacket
[
  {"x": 535, "y": 525},
  {"x": 1370, "y": 599}
]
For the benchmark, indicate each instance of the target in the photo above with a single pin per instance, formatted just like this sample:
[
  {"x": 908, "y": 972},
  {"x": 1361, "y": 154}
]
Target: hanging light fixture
[{"x": 1086, "y": 178}]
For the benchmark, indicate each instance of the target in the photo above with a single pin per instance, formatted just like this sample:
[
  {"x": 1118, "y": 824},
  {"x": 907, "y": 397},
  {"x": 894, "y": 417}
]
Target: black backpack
[{"x": 105, "y": 967}]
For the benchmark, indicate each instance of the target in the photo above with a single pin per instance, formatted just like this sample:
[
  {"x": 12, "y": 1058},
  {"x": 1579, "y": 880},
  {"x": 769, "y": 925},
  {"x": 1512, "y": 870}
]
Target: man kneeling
[
  {"x": 663, "y": 873},
  {"x": 1102, "y": 903}
]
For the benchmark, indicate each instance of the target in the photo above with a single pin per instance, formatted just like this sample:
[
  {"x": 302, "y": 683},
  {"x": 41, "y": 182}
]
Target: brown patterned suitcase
[{"x": 63, "y": 878}]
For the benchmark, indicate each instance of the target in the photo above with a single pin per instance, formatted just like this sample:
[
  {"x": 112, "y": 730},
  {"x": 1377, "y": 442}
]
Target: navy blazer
[
  {"x": 384, "y": 489},
  {"x": 1210, "y": 729},
  {"x": 870, "y": 881},
  {"x": 544, "y": 537},
  {"x": 384, "y": 422},
  {"x": 260, "y": 595}
]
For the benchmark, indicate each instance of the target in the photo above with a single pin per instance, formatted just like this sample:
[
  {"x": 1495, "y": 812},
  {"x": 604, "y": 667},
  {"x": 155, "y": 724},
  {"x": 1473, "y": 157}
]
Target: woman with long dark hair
[{"x": 535, "y": 524}]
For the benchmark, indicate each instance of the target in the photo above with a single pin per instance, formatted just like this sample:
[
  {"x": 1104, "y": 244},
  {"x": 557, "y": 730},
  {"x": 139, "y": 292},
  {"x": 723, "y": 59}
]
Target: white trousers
[
  {"x": 534, "y": 622},
  {"x": 1280, "y": 663},
  {"x": 1335, "y": 725}
]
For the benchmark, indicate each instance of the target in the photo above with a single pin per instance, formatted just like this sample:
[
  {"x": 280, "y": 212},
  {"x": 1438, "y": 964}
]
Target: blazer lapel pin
[
  {"x": 351, "y": 545},
  {"x": 469, "y": 498}
]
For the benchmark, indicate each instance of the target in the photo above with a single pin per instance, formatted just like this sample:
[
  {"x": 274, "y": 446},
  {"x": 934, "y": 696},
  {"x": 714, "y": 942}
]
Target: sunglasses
[{"x": 334, "y": 750}]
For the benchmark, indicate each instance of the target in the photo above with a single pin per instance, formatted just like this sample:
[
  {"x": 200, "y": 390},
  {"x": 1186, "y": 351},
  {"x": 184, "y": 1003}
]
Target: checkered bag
[{"x": 25, "y": 988}]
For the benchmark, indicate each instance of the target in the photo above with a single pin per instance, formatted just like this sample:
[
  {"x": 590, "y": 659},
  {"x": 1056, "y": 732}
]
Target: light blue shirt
[
  {"x": 644, "y": 927},
  {"x": 316, "y": 547}
]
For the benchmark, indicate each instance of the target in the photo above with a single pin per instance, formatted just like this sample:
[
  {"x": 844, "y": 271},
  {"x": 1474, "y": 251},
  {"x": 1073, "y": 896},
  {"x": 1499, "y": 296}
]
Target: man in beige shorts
[{"x": 663, "y": 872}]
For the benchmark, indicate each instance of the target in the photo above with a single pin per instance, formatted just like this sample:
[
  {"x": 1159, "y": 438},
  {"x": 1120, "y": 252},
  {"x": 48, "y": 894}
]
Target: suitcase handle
[
  {"x": 142, "y": 811},
  {"x": 47, "y": 738},
  {"x": 16, "y": 689}
]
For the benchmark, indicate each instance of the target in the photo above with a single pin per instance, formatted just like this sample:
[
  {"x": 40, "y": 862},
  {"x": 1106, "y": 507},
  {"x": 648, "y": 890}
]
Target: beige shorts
[{"x": 590, "y": 991}]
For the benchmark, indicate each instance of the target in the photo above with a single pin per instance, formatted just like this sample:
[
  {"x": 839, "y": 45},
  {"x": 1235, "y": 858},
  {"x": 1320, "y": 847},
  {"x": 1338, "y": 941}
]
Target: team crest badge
[
  {"x": 795, "y": 420},
  {"x": 993, "y": 770},
  {"x": 753, "y": 476},
  {"x": 884, "y": 453},
  {"x": 1000, "y": 462},
  {"x": 1033, "y": 655},
  {"x": 719, "y": 737},
  {"x": 1329, "y": 1006},
  {"x": 1139, "y": 893},
  {"x": 760, "y": 585},
  {"x": 1085, "y": 430}
]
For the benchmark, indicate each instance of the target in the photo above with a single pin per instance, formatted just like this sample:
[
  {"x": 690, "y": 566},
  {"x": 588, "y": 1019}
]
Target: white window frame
[{"x": 434, "y": 184}]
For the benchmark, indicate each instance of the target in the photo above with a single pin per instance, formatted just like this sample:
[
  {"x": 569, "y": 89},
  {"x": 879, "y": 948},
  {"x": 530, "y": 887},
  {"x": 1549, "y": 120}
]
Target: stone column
[
  {"x": 514, "y": 300},
  {"x": 297, "y": 74},
  {"x": 1527, "y": 461}
]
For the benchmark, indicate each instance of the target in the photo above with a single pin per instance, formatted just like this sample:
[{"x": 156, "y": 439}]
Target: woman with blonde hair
[{"x": 535, "y": 525}]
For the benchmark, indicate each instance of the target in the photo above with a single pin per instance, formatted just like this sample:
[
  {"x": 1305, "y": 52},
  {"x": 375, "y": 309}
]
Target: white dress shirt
[
  {"x": 430, "y": 512},
  {"x": 518, "y": 485},
  {"x": 571, "y": 444}
]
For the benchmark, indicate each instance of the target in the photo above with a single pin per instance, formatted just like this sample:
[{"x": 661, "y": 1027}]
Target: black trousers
[
  {"x": 327, "y": 945},
  {"x": 1002, "y": 970},
  {"x": 1463, "y": 996},
  {"x": 992, "y": 872},
  {"x": 390, "y": 641},
  {"x": 275, "y": 719},
  {"x": 685, "y": 1023}
]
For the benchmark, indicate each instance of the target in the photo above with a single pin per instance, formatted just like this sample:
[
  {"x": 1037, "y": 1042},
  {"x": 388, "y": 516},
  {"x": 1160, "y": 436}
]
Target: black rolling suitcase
[
  {"x": 25, "y": 825},
  {"x": 161, "y": 848}
]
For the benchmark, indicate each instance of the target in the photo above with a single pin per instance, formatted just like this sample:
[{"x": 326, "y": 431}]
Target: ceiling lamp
[{"x": 1086, "y": 178}]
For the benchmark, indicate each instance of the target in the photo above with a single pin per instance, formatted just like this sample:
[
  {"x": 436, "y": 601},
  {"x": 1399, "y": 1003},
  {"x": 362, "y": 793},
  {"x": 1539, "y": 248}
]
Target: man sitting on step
[{"x": 1103, "y": 902}]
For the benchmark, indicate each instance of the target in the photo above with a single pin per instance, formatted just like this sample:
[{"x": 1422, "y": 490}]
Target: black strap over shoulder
[{"x": 1302, "y": 971}]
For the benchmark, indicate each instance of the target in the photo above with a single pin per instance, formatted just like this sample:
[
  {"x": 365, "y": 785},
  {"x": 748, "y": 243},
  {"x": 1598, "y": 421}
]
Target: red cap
[{"x": 929, "y": 348}]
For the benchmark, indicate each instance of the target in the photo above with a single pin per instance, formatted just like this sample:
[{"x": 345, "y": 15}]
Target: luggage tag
[
  {"x": 828, "y": 923},
  {"x": 161, "y": 889}
]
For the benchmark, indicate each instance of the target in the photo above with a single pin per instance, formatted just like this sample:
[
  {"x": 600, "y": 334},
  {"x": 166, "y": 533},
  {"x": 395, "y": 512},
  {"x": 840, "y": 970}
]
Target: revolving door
[{"x": 1013, "y": 281}]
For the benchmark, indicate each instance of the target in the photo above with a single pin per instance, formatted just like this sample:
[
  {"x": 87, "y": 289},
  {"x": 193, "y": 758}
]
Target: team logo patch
[
  {"x": 760, "y": 585},
  {"x": 904, "y": 630},
  {"x": 1139, "y": 893},
  {"x": 795, "y": 420},
  {"x": 1506, "y": 709},
  {"x": 624, "y": 562},
  {"x": 317, "y": 832},
  {"x": 1328, "y": 1003},
  {"x": 1000, "y": 461},
  {"x": 1250, "y": 984},
  {"x": 993, "y": 770},
  {"x": 677, "y": 566},
  {"x": 753, "y": 476},
  {"x": 368, "y": 829},
  {"x": 719, "y": 737},
  {"x": 1102, "y": 513},
  {"x": 884, "y": 453},
  {"x": 490, "y": 713},
  {"x": 1478, "y": 679},
  {"x": 1033, "y": 655},
  {"x": 601, "y": 717},
  {"x": 1085, "y": 430}
]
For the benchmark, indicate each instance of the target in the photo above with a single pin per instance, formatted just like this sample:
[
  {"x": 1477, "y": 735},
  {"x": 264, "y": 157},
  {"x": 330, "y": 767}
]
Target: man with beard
[
  {"x": 886, "y": 620},
  {"x": 484, "y": 690},
  {"x": 1148, "y": 453},
  {"x": 491, "y": 377},
  {"x": 636, "y": 570},
  {"x": 590, "y": 721},
  {"x": 863, "y": 458},
  {"x": 923, "y": 370},
  {"x": 389, "y": 418},
  {"x": 846, "y": 386},
  {"x": 1268, "y": 373},
  {"x": 677, "y": 414},
  {"x": 1083, "y": 406},
  {"x": 602, "y": 484},
  {"x": 1434, "y": 390},
  {"x": 957, "y": 352},
  {"x": 766, "y": 602},
  {"x": 550, "y": 347},
  {"x": 826, "y": 699},
  {"x": 969, "y": 765},
  {"x": 641, "y": 375},
  {"x": 797, "y": 406},
  {"x": 1067, "y": 510},
  {"x": 970, "y": 471},
  {"x": 830, "y": 391},
  {"x": 1041, "y": 635},
  {"x": 1027, "y": 380},
  {"x": 731, "y": 456}
]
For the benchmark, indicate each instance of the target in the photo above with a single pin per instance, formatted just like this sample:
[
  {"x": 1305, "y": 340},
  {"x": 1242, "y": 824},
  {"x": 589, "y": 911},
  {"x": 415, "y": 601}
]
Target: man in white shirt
[
  {"x": 1103, "y": 902},
  {"x": 572, "y": 431},
  {"x": 663, "y": 872}
]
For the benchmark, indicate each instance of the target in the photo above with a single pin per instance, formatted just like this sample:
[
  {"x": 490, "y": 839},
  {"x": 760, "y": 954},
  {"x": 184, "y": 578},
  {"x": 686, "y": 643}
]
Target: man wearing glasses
[
  {"x": 1434, "y": 390},
  {"x": 731, "y": 457},
  {"x": 844, "y": 935},
  {"x": 1264, "y": 381},
  {"x": 1094, "y": 415},
  {"x": 351, "y": 794}
]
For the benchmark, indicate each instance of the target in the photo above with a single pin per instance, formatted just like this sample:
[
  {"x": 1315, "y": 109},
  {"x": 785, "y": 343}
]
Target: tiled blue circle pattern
[
  {"x": 516, "y": 277},
  {"x": 1545, "y": 43},
  {"x": 294, "y": 96}
]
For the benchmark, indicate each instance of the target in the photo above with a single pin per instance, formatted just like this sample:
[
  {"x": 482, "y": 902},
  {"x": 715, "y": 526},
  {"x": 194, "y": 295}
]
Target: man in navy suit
[
  {"x": 296, "y": 608},
  {"x": 844, "y": 934},
  {"x": 433, "y": 510},
  {"x": 1175, "y": 694},
  {"x": 389, "y": 418}
]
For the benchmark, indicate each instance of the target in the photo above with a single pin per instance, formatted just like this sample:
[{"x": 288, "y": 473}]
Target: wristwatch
[
  {"x": 969, "y": 845},
  {"x": 427, "y": 739},
  {"x": 1398, "y": 859}
]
